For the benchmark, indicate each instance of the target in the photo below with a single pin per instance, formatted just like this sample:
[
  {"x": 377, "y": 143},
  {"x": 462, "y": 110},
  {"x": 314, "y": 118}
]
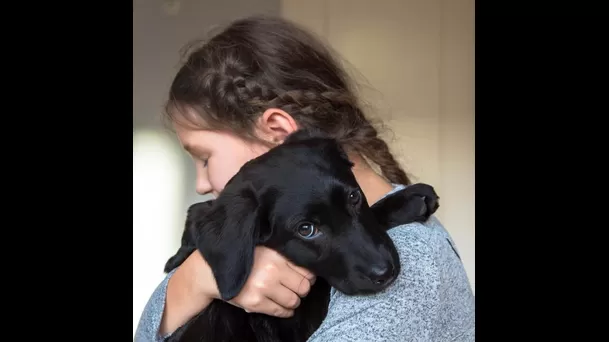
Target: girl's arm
[
  {"x": 179, "y": 297},
  {"x": 430, "y": 301}
]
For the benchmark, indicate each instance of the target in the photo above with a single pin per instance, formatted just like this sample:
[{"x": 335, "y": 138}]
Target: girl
[{"x": 238, "y": 95}]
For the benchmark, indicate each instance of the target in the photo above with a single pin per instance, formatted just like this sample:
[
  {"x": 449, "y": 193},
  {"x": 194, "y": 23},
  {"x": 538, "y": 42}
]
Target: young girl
[{"x": 238, "y": 95}]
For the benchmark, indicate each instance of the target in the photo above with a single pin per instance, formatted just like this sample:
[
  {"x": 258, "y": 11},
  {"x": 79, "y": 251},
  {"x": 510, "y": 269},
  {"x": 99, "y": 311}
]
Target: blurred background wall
[{"x": 414, "y": 60}]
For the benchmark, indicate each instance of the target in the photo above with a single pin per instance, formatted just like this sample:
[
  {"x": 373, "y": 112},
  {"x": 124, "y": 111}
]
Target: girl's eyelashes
[{"x": 204, "y": 160}]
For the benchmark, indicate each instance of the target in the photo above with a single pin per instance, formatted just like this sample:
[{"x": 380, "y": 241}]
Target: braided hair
[{"x": 263, "y": 62}]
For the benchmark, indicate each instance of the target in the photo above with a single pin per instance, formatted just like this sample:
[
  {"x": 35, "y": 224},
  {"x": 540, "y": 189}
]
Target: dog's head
[{"x": 301, "y": 199}]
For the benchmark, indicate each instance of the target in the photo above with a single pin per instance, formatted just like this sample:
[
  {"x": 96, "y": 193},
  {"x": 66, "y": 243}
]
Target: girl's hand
[{"x": 274, "y": 286}]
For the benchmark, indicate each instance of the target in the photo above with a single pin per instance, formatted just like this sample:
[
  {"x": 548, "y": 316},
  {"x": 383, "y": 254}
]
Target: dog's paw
[
  {"x": 415, "y": 203},
  {"x": 430, "y": 201}
]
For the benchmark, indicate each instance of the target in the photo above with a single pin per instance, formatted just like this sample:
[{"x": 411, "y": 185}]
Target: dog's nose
[{"x": 379, "y": 275}]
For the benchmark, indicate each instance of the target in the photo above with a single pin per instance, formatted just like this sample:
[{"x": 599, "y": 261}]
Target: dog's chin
[{"x": 359, "y": 286}]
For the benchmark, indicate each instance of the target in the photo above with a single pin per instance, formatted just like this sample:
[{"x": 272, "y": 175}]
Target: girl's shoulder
[
  {"x": 428, "y": 237},
  {"x": 431, "y": 233}
]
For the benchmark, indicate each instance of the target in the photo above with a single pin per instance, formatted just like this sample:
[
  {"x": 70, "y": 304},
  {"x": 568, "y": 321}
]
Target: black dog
[{"x": 302, "y": 200}]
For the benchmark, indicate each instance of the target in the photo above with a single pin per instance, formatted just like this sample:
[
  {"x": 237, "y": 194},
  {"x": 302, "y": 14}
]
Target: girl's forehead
[
  {"x": 197, "y": 140},
  {"x": 187, "y": 117}
]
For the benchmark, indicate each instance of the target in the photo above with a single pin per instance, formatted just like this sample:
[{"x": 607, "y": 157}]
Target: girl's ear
[{"x": 275, "y": 124}]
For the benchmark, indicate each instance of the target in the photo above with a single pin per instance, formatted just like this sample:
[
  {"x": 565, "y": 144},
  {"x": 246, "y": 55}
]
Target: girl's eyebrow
[
  {"x": 193, "y": 150},
  {"x": 189, "y": 148}
]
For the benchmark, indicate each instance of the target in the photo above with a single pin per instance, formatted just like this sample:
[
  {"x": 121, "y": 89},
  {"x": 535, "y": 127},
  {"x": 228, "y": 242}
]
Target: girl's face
[{"x": 218, "y": 156}]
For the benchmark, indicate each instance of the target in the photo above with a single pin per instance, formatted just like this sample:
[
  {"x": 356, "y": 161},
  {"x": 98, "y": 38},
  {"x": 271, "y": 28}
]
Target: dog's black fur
[{"x": 305, "y": 181}]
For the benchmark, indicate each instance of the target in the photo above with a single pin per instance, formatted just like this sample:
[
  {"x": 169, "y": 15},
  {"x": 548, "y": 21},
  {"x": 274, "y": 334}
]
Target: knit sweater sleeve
[{"x": 150, "y": 320}]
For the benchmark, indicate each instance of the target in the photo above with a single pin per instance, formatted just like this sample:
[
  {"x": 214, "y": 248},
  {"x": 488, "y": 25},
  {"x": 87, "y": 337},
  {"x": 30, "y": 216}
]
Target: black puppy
[{"x": 302, "y": 200}]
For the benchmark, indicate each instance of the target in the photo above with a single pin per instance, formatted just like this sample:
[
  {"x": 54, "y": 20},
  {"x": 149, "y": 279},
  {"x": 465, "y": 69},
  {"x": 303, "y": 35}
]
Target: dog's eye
[
  {"x": 307, "y": 230},
  {"x": 355, "y": 196}
]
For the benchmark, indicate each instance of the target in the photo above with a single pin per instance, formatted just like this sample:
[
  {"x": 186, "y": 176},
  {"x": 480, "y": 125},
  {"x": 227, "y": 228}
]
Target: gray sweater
[{"x": 431, "y": 300}]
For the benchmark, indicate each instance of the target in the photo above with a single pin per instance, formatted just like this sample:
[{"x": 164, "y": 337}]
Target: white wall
[
  {"x": 415, "y": 59},
  {"x": 158, "y": 176}
]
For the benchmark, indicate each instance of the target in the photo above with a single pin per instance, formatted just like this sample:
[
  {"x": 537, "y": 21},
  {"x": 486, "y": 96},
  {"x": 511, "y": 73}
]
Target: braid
[
  {"x": 367, "y": 142},
  {"x": 258, "y": 63}
]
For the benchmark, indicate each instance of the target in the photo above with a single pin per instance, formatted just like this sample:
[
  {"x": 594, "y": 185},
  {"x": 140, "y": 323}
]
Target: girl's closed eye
[{"x": 202, "y": 158}]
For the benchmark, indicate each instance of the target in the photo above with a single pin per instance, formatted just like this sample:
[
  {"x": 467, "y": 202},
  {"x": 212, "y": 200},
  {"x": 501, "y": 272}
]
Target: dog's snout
[{"x": 380, "y": 274}]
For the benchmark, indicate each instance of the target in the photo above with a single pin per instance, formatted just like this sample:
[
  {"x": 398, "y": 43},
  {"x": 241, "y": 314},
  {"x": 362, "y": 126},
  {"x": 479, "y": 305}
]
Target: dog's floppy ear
[
  {"x": 196, "y": 213},
  {"x": 227, "y": 239}
]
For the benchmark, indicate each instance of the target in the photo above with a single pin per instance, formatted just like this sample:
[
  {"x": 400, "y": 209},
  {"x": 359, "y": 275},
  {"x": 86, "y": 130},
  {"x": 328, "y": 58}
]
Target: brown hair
[{"x": 263, "y": 62}]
